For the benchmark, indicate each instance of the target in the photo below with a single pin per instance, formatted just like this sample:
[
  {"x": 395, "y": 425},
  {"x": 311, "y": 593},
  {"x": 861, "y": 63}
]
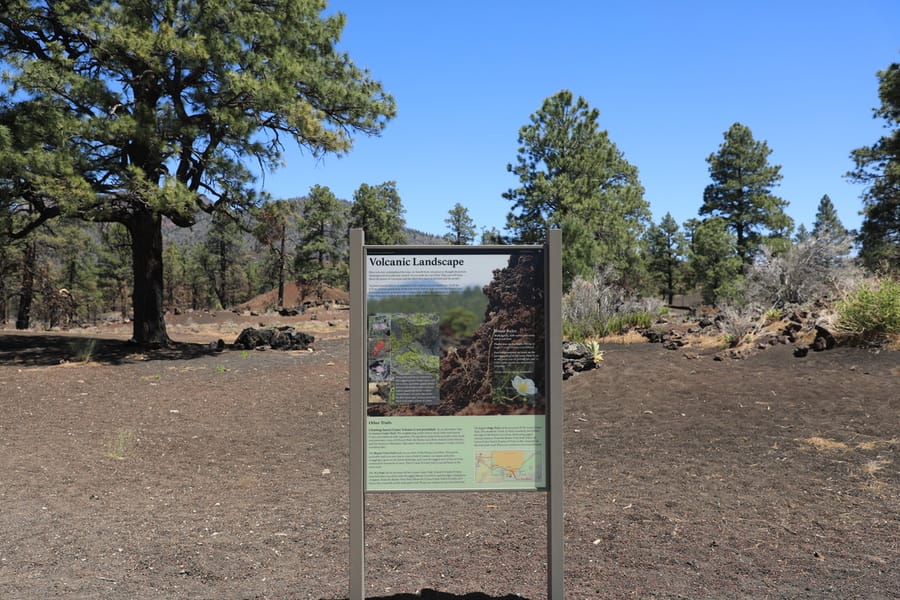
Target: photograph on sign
[
  {"x": 459, "y": 334},
  {"x": 455, "y": 370}
]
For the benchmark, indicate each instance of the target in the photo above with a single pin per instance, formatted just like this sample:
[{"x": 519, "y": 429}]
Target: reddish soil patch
[
  {"x": 195, "y": 474},
  {"x": 293, "y": 297}
]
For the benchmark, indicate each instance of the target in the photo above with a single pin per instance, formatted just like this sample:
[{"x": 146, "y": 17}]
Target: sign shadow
[{"x": 429, "y": 594}]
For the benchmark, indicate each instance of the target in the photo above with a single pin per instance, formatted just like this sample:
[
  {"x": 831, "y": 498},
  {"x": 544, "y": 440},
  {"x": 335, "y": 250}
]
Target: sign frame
[{"x": 553, "y": 480}]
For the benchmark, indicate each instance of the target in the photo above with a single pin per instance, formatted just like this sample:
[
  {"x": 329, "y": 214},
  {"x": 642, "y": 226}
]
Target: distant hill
[
  {"x": 185, "y": 236},
  {"x": 414, "y": 237}
]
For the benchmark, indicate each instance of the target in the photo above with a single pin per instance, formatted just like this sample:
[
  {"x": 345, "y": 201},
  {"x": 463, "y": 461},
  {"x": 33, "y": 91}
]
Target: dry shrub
[
  {"x": 737, "y": 323},
  {"x": 815, "y": 269},
  {"x": 599, "y": 307},
  {"x": 629, "y": 337},
  {"x": 595, "y": 299}
]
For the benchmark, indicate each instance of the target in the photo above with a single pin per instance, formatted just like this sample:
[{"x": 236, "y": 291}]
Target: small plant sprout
[
  {"x": 773, "y": 314},
  {"x": 594, "y": 347},
  {"x": 524, "y": 387}
]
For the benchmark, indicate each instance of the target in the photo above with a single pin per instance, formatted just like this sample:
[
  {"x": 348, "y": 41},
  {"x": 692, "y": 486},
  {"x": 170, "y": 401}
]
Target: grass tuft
[
  {"x": 83, "y": 350},
  {"x": 119, "y": 446},
  {"x": 820, "y": 443}
]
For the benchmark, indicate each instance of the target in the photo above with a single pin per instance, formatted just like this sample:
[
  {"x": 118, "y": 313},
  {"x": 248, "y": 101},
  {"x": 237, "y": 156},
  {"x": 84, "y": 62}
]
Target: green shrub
[
  {"x": 578, "y": 330},
  {"x": 871, "y": 312},
  {"x": 609, "y": 325}
]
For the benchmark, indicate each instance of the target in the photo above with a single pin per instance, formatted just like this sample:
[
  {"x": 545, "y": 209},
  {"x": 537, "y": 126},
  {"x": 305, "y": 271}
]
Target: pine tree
[
  {"x": 199, "y": 284},
  {"x": 114, "y": 268},
  {"x": 665, "y": 247},
  {"x": 461, "y": 226},
  {"x": 827, "y": 221},
  {"x": 224, "y": 251},
  {"x": 580, "y": 251},
  {"x": 132, "y": 112},
  {"x": 568, "y": 167},
  {"x": 10, "y": 259},
  {"x": 878, "y": 167},
  {"x": 492, "y": 237},
  {"x": 741, "y": 192},
  {"x": 378, "y": 211},
  {"x": 713, "y": 260},
  {"x": 273, "y": 232},
  {"x": 322, "y": 250},
  {"x": 802, "y": 234},
  {"x": 175, "y": 277}
]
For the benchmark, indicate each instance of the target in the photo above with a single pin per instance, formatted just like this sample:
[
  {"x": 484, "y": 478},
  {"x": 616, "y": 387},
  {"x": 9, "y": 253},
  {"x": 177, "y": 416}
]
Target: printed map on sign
[{"x": 500, "y": 466}]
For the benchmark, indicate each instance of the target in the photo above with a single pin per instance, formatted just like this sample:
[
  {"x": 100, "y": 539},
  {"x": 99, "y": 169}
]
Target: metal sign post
[
  {"x": 358, "y": 387},
  {"x": 555, "y": 490},
  {"x": 475, "y": 411}
]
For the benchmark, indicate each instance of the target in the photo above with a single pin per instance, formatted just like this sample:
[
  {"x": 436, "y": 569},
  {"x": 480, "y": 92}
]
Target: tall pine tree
[
  {"x": 132, "y": 112},
  {"x": 713, "y": 261},
  {"x": 665, "y": 248},
  {"x": 461, "y": 226},
  {"x": 273, "y": 232},
  {"x": 225, "y": 251},
  {"x": 378, "y": 211},
  {"x": 741, "y": 192},
  {"x": 827, "y": 223},
  {"x": 569, "y": 168},
  {"x": 321, "y": 253}
]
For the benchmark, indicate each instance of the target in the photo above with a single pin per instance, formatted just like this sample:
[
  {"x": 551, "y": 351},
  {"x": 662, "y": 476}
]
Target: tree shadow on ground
[
  {"x": 427, "y": 594},
  {"x": 45, "y": 350}
]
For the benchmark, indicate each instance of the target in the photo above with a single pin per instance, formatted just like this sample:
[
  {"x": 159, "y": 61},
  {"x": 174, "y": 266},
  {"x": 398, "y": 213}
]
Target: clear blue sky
[{"x": 669, "y": 78}]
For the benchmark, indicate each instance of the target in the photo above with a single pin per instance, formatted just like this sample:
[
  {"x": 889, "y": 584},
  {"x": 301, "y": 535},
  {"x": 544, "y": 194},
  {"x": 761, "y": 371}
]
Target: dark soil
[{"x": 190, "y": 473}]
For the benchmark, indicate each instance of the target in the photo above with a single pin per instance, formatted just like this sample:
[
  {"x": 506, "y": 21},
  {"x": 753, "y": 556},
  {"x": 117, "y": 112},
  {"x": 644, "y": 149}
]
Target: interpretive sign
[
  {"x": 455, "y": 353},
  {"x": 452, "y": 384}
]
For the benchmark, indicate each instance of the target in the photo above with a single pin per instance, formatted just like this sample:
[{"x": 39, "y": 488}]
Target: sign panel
[{"x": 456, "y": 391}]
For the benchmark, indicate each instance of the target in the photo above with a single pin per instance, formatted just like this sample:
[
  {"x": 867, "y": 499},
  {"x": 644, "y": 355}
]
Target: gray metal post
[
  {"x": 555, "y": 411},
  {"x": 357, "y": 418}
]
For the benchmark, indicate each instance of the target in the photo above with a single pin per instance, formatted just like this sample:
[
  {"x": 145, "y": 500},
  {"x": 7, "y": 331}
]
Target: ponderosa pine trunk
[
  {"x": 281, "y": 269},
  {"x": 149, "y": 325},
  {"x": 26, "y": 293}
]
